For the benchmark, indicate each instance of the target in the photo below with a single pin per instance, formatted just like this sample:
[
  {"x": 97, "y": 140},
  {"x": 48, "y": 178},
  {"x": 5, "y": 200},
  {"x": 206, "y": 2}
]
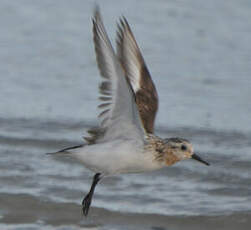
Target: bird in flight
[{"x": 125, "y": 141}]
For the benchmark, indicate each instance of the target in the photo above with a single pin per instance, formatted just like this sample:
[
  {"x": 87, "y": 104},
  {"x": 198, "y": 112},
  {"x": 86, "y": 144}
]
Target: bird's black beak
[{"x": 196, "y": 157}]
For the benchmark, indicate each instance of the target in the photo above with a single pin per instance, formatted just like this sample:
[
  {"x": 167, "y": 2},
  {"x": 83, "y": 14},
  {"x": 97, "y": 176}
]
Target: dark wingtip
[
  {"x": 96, "y": 10},
  {"x": 65, "y": 150},
  {"x": 96, "y": 13}
]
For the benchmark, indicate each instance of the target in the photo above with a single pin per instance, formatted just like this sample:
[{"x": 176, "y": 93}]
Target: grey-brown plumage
[{"x": 137, "y": 72}]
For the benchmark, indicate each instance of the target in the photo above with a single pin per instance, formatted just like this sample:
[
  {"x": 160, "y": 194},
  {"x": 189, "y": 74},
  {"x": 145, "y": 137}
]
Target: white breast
[{"x": 116, "y": 157}]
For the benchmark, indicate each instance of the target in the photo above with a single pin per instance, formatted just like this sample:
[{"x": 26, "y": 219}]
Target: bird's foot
[{"x": 86, "y": 204}]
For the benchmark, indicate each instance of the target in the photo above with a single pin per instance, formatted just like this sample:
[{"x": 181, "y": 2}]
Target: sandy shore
[{"x": 26, "y": 209}]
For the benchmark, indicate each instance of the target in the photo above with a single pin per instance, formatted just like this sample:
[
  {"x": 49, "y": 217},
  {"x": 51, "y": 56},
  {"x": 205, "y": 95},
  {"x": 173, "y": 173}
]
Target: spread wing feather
[
  {"x": 136, "y": 71},
  {"x": 119, "y": 116}
]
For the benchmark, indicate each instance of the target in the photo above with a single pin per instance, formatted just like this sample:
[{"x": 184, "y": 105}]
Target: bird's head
[{"x": 177, "y": 149}]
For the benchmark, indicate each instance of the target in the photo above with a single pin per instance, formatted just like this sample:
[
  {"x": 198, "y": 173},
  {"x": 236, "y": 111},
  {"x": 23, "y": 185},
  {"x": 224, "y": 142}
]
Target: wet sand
[{"x": 26, "y": 209}]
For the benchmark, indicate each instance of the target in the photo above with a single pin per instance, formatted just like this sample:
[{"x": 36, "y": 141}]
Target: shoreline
[{"x": 27, "y": 209}]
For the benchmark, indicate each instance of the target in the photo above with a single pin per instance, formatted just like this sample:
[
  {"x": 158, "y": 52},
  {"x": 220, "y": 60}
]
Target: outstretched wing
[
  {"x": 136, "y": 71},
  {"x": 119, "y": 116}
]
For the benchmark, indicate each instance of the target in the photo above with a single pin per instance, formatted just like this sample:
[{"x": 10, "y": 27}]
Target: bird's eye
[{"x": 183, "y": 147}]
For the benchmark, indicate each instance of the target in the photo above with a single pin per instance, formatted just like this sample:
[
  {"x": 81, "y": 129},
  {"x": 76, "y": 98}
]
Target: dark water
[{"x": 199, "y": 54}]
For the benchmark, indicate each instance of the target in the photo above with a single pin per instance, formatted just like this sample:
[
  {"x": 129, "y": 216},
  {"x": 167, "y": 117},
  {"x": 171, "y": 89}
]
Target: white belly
[{"x": 116, "y": 157}]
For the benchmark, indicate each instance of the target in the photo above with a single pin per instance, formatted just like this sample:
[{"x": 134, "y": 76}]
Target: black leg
[{"x": 88, "y": 198}]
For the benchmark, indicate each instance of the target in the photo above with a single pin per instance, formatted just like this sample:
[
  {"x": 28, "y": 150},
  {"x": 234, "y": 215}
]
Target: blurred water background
[{"x": 199, "y": 55}]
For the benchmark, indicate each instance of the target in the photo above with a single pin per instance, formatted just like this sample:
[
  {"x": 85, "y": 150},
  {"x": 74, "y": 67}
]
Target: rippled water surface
[{"x": 199, "y": 55}]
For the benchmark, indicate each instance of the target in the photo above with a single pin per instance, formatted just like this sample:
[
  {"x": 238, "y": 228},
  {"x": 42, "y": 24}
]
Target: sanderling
[{"x": 124, "y": 142}]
